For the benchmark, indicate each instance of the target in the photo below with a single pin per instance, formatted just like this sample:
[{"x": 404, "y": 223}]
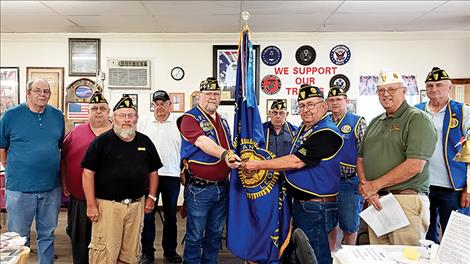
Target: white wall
[
  {"x": 413, "y": 53},
  {"x": 409, "y": 53}
]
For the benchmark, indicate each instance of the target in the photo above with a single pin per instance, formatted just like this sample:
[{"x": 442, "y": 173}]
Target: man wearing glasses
[
  {"x": 119, "y": 171},
  {"x": 207, "y": 148},
  {"x": 312, "y": 171},
  {"x": 279, "y": 133},
  {"x": 31, "y": 136},
  {"x": 393, "y": 158},
  {"x": 448, "y": 178},
  {"x": 76, "y": 143},
  {"x": 161, "y": 129}
]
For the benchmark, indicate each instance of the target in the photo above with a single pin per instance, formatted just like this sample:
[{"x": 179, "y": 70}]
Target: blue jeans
[
  {"x": 169, "y": 187},
  {"x": 316, "y": 219},
  {"x": 349, "y": 204},
  {"x": 23, "y": 207},
  {"x": 206, "y": 208},
  {"x": 443, "y": 201}
]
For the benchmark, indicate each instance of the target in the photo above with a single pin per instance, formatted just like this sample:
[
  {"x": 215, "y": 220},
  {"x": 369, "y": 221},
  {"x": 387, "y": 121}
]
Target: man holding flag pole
[
  {"x": 312, "y": 171},
  {"x": 258, "y": 227}
]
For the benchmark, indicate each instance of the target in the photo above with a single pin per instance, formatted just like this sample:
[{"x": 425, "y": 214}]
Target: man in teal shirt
[
  {"x": 393, "y": 158},
  {"x": 31, "y": 135}
]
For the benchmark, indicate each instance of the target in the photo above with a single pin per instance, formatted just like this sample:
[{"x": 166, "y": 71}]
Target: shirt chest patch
[
  {"x": 141, "y": 149},
  {"x": 395, "y": 127}
]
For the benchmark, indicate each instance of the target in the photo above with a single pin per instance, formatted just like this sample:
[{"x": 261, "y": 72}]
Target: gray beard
[{"x": 125, "y": 133}]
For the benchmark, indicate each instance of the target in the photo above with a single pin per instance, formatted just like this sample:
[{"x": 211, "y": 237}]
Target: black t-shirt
[
  {"x": 121, "y": 168},
  {"x": 317, "y": 147}
]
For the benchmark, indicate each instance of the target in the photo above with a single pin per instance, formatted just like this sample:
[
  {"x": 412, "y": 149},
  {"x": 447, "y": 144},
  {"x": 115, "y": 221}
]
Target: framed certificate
[
  {"x": 9, "y": 87},
  {"x": 84, "y": 56},
  {"x": 55, "y": 77}
]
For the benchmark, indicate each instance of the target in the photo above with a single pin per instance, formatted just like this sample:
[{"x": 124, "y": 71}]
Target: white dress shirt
[
  {"x": 437, "y": 167},
  {"x": 166, "y": 138}
]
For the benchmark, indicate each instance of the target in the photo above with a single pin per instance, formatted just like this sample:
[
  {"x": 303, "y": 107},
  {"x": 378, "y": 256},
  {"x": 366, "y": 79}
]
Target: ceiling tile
[
  {"x": 454, "y": 7},
  {"x": 388, "y": 6},
  {"x": 97, "y": 7},
  {"x": 24, "y": 7},
  {"x": 202, "y": 8},
  {"x": 348, "y": 19},
  {"x": 289, "y": 7},
  {"x": 35, "y": 22},
  {"x": 112, "y": 21}
]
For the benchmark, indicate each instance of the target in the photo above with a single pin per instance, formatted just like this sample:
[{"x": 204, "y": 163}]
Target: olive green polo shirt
[{"x": 390, "y": 140}]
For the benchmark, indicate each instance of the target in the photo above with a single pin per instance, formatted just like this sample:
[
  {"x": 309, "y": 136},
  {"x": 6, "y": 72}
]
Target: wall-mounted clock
[{"x": 177, "y": 73}]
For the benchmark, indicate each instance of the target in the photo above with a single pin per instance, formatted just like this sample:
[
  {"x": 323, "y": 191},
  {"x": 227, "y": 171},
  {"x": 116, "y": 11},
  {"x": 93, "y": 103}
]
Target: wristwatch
[{"x": 152, "y": 197}]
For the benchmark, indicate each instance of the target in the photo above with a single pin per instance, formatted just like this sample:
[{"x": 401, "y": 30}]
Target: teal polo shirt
[{"x": 33, "y": 142}]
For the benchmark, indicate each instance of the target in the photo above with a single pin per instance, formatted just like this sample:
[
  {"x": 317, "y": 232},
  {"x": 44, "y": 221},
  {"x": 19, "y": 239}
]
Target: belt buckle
[{"x": 126, "y": 201}]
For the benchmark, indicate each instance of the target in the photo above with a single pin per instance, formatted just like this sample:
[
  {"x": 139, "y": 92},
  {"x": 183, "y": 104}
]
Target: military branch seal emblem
[
  {"x": 340, "y": 54},
  {"x": 340, "y": 80},
  {"x": 346, "y": 129},
  {"x": 258, "y": 183},
  {"x": 271, "y": 84},
  {"x": 305, "y": 55},
  {"x": 454, "y": 122},
  {"x": 271, "y": 55}
]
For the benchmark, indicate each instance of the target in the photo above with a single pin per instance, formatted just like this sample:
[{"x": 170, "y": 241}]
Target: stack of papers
[
  {"x": 11, "y": 240},
  {"x": 11, "y": 247}
]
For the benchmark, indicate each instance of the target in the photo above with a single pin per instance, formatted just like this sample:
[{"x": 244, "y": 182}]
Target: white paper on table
[
  {"x": 455, "y": 246},
  {"x": 363, "y": 255},
  {"x": 389, "y": 219}
]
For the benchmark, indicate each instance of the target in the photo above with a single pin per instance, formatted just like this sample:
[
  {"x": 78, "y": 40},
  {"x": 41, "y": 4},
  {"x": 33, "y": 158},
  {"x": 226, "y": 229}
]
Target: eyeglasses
[
  {"x": 309, "y": 106},
  {"x": 123, "y": 115},
  {"x": 390, "y": 91},
  {"x": 39, "y": 91},
  {"x": 95, "y": 109},
  {"x": 210, "y": 94}
]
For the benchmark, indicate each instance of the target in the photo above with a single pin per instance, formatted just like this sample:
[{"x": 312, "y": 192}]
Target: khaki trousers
[{"x": 116, "y": 235}]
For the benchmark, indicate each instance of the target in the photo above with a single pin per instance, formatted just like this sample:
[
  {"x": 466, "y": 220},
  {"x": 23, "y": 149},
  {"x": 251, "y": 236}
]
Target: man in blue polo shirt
[
  {"x": 31, "y": 135},
  {"x": 279, "y": 133}
]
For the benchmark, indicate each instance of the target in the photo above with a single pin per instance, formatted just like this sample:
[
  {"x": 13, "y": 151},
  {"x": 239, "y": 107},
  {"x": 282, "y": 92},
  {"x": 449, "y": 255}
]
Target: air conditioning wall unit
[{"x": 128, "y": 73}]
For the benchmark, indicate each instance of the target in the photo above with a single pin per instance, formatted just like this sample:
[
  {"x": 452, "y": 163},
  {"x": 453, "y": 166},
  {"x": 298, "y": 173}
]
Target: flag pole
[{"x": 245, "y": 17}]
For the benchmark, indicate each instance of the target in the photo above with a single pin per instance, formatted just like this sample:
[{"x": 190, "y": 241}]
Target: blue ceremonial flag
[{"x": 258, "y": 227}]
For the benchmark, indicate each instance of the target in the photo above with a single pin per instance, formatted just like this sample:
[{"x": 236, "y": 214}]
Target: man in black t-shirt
[{"x": 119, "y": 168}]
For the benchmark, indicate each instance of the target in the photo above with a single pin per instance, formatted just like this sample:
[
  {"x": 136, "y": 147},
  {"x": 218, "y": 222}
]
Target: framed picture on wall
[
  {"x": 135, "y": 99},
  {"x": 9, "y": 87},
  {"x": 294, "y": 106},
  {"x": 269, "y": 102},
  {"x": 177, "y": 102},
  {"x": 422, "y": 96},
  {"x": 224, "y": 68},
  {"x": 84, "y": 56},
  {"x": 194, "y": 99},
  {"x": 152, "y": 107},
  {"x": 55, "y": 77}
]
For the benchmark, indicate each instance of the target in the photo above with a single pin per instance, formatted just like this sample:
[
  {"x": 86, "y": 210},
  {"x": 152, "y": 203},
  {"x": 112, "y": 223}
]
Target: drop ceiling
[{"x": 224, "y": 16}]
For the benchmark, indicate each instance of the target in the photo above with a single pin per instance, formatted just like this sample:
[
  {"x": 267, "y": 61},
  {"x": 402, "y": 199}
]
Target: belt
[
  {"x": 322, "y": 199},
  {"x": 203, "y": 182},
  {"x": 401, "y": 192},
  {"x": 128, "y": 201}
]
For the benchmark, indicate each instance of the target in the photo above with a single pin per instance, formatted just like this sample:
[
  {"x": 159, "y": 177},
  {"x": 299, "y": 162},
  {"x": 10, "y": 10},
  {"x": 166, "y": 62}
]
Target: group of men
[{"x": 115, "y": 169}]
